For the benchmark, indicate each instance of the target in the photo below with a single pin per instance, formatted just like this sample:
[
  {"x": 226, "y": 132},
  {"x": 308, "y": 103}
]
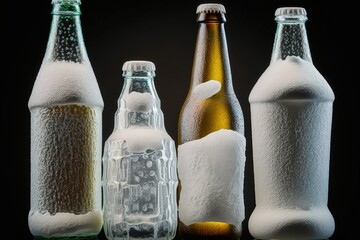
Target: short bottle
[
  {"x": 211, "y": 150},
  {"x": 66, "y": 134},
  {"x": 291, "y": 118},
  {"x": 139, "y": 163}
]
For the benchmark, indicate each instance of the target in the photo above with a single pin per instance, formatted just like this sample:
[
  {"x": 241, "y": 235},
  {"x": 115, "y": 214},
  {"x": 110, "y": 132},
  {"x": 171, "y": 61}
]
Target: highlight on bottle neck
[
  {"x": 211, "y": 12},
  {"x": 66, "y": 7}
]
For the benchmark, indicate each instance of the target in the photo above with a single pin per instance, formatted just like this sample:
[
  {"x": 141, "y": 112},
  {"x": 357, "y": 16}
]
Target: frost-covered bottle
[
  {"x": 211, "y": 151},
  {"x": 139, "y": 163},
  {"x": 66, "y": 134},
  {"x": 291, "y": 116}
]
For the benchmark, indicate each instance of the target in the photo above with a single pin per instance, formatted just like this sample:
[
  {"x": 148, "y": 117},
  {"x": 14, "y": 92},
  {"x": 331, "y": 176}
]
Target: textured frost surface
[
  {"x": 139, "y": 102},
  {"x": 292, "y": 78},
  {"x": 140, "y": 139},
  {"x": 62, "y": 224},
  {"x": 287, "y": 223},
  {"x": 291, "y": 115},
  {"x": 65, "y": 82},
  {"x": 66, "y": 159},
  {"x": 140, "y": 190},
  {"x": 211, "y": 171},
  {"x": 207, "y": 89}
]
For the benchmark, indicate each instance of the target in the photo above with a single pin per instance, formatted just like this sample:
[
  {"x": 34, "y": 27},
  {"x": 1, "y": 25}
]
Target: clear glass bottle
[
  {"x": 211, "y": 151},
  {"x": 139, "y": 163},
  {"x": 291, "y": 116},
  {"x": 66, "y": 134}
]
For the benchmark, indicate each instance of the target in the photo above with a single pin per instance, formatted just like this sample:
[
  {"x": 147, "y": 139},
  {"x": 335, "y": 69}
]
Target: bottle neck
[
  {"x": 211, "y": 59},
  {"x": 139, "y": 103},
  {"x": 291, "y": 38},
  {"x": 66, "y": 41}
]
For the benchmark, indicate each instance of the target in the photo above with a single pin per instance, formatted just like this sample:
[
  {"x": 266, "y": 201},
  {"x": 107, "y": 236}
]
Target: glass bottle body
[
  {"x": 140, "y": 180},
  {"x": 291, "y": 115},
  {"x": 211, "y": 116},
  {"x": 66, "y": 131}
]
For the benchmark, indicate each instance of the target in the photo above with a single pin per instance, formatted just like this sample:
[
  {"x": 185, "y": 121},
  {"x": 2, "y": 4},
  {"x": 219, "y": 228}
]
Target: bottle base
[
  {"x": 91, "y": 237},
  {"x": 209, "y": 231},
  {"x": 65, "y": 225},
  {"x": 291, "y": 224}
]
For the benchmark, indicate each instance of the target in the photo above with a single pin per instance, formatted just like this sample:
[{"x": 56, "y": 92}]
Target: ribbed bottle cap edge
[
  {"x": 66, "y": 2},
  {"x": 138, "y": 65},
  {"x": 290, "y": 11},
  {"x": 211, "y": 8}
]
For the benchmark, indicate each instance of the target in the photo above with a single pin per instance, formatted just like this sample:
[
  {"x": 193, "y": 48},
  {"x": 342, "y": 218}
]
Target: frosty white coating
[
  {"x": 65, "y": 82},
  {"x": 207, "y": 89},
  {"x": 139, "y": 102},
  {"x": 140, "y": 139},
  {"x": 49, "y": 226},
  {"x": 291, "y": 114},
  {"x": 292, "y": 78},
  {"x": 211, "y": 171}
]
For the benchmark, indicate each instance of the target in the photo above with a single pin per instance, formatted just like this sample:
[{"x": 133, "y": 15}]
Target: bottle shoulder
[
  {"x": 141, "y": 138},
  {"x": 291, "y": 79},
  {"x": 64, "y": 82}
]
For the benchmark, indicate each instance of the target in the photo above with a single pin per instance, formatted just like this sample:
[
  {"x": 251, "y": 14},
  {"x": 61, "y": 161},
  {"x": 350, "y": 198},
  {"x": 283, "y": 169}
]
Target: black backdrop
[{"x": 164, "y": 32}]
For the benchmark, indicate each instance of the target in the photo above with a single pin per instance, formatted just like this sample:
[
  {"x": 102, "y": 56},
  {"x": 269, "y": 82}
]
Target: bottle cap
[
  {"x": 210, "y": 8},
  {"x": 72, "y": 2},
  {"x": 138, "y": 65},
  {"x": 290, "y": 11}
]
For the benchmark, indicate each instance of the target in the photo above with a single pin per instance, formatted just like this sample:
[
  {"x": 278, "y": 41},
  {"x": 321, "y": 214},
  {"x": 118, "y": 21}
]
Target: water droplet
[{"x": 149, "y": 164}]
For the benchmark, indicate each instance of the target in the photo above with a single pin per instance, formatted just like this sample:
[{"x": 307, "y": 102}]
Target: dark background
[{"x": 165, "y": 32}]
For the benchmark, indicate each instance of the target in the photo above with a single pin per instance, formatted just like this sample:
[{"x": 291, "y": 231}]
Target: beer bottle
[
  {"x": 291, "y": 115},
  {"x": 211, "y": 142},
  {"x": 66, "y": 133}
]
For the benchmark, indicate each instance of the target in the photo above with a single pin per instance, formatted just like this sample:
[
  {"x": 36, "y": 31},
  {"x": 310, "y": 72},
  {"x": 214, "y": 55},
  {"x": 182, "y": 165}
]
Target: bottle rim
[
  {"x": 70, "y": 2},
  {"x": 211, "y": 8},
  {"x": 290, "y": 11},
  {"x": 138, "y": 65}
]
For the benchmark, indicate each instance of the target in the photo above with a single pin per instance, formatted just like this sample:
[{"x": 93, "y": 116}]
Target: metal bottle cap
[
  {"x": 210, "y": 8},
  {"x": 290, "y": 11},
  {"x": 72, "y": 2},
  {"x": 138, "y": 65}
]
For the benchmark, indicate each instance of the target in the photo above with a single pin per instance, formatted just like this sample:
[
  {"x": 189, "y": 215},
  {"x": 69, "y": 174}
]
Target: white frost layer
[
  {"x": 292, "y": 78},
  {"x": 65, "y": 224},
  {"x": 291, "y": 117},
  {"x": 139, "y": 102},
  {"x": 141, "y": 139},
  {"x": 207, "y": 89},
  {"x": 65, "y": 82},
  {"x": 315, "y": 223},
  {"x": 211, "y": 171}
]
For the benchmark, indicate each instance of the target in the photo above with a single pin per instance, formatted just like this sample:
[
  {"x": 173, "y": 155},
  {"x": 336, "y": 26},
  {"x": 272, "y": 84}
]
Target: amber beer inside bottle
[{"x": 200, "y": 117}]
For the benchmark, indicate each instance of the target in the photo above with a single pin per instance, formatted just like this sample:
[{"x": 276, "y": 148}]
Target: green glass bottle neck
[
  {"x": 66, "y": 41},
  {"x": 66, "y": 7},
  {"x": 291, "y": 39}
]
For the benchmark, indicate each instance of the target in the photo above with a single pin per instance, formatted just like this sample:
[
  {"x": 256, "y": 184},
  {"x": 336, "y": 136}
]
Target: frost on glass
[
  {"x": 140, "y": 187},
  {"x": 65, "y": 172},
  {"x": 139, "y": 163}
]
